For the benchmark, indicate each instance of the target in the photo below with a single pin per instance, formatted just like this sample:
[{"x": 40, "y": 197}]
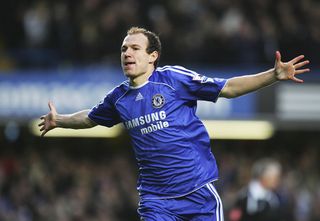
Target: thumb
[
  {"x": 52, "y": 107},
  {"x": 278, "y": 56}
]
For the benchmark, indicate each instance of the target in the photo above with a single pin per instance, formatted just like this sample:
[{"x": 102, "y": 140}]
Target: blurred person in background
[
  {"x": 177, "y": 169},
  {"x": 258, "y": 201}
]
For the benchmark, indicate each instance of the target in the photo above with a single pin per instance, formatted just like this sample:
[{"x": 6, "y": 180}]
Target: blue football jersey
[{"x": 171, "y": 145}]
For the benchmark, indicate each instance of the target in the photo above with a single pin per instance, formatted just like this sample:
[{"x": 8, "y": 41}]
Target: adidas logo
[{"x": 139, "y": 97}]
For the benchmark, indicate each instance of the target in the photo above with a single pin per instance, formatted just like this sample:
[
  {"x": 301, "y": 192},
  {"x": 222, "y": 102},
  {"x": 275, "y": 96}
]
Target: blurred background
[{"x": 68, "y": 52}]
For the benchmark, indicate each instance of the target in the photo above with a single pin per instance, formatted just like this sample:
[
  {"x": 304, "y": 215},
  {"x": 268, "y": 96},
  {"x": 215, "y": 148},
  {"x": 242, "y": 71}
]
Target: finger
[
  {"x": 42, "y": 117},
  {"x": 278, "y": 56},
  {"x": 297, "y": 80},
  {"x": 43, "y": 128},
  {"x": 51, "y": 106},
  {"x": 43, "y": 133},
  {"x": 296, "y": 59},
  {"x": 300, "y": 64},
  {"x": 42, "y": 123},
  {"x": 302, "y": 71}
]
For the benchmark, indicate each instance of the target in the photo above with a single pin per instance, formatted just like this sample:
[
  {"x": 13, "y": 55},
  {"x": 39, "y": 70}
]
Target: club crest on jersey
[{"x": 158, "y": 101}]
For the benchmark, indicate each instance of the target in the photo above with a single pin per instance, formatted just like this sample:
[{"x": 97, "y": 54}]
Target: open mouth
[{"x": 129, "y": 63}]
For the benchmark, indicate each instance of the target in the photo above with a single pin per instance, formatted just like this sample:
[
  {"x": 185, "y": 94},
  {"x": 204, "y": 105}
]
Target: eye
[{"x": 123, "y": 49}]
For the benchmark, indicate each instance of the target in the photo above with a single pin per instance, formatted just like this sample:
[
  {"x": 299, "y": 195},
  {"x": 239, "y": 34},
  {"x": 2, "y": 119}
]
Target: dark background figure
[{"x": 259, "y": 201}]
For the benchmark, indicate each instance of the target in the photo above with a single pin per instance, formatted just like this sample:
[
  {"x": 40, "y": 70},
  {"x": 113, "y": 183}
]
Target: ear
[{"x": 153, "y": 57}]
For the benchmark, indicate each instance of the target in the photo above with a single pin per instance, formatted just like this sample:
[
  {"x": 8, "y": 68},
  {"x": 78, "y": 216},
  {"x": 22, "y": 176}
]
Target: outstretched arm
[
  {"x": 78, "y": 120},
  {"x": 238, "y": 86}
]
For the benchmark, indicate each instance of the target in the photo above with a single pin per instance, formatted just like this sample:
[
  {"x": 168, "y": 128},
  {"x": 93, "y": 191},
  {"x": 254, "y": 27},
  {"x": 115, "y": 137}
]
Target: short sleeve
[
  {"x": 193, "y": 86},
  {"x": 105, "y": 113}
]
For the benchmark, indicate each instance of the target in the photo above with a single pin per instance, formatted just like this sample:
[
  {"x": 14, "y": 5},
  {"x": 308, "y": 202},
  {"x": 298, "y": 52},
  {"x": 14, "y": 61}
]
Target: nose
[{"x": 127, "y": 53}]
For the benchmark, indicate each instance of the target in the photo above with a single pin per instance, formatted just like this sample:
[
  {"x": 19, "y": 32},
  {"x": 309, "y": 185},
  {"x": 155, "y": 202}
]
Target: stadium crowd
[
  {"x": 45, "y": 33},
  {"x": 77, "y": 183},
  {"x": 50, "y": 186}
]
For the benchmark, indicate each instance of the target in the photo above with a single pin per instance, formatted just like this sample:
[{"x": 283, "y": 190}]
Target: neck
[{"x": 141, "y": 79}]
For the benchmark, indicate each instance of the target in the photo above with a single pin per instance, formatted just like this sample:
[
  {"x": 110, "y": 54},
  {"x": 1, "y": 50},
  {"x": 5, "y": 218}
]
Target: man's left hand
[{"x": 288, "y": 70}]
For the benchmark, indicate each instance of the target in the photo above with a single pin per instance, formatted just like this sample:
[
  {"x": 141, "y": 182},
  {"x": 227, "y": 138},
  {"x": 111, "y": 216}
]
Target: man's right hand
[{"x": 49, "y": 120}]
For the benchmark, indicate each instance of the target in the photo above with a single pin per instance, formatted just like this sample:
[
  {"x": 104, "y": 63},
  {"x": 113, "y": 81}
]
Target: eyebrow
[{"x": 130, "y": 45}]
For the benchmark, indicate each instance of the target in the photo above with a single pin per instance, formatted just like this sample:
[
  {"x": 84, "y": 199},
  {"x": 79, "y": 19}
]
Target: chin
[{"x": 129, "y": 74}]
